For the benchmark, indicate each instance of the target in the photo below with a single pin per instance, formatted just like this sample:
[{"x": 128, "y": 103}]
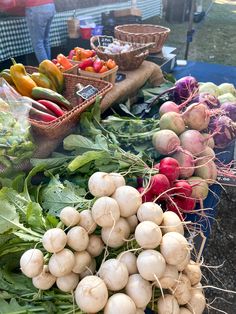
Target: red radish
[
  {"x": 186, "y": 204},
  {"x": 174, "y": 207},
  {"x": 193, "y": 141},
  {"x": 147, "y": 195},
  {"x": 170, "y": 168},
  {"x": 168, "y": 106},
  {"x": 183, "y": 188},
  {"x": 172, "y": 121},
  {"x": 156, "y": 166},
  {"x": 197, "y": 116},
  {"x": 186, "y": 162},
  {"x": 166, "y": 142},
  {"x": 159, "y": 184}
]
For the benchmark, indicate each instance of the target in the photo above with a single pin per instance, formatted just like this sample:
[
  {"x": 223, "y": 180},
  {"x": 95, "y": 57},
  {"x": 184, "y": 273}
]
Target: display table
[{"x": 15, "y": 39}]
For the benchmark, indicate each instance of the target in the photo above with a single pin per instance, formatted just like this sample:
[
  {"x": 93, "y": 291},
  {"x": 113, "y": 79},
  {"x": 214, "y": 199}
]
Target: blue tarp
[{"x": 207, "y": 72}]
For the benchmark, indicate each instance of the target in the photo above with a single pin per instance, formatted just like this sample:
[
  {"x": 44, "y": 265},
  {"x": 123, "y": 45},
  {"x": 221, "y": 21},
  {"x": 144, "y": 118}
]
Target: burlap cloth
[{"x": 148, "y": 71}]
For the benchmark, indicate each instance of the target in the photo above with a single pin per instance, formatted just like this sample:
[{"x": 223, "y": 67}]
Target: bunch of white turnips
[{"x": 125, "y": 283}]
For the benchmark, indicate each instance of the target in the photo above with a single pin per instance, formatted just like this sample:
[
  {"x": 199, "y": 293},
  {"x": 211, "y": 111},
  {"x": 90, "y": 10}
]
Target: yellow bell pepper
[
  {"x": 21, "y": 79},
  {"x": 49, "y": 69},
  {"x": 42, "y": 80}
]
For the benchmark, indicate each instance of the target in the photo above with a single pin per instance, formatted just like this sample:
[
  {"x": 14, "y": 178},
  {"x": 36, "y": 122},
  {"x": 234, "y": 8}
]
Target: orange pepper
[
  {"x": 110, "y": 64},
  {"x": 85, "y": 54},
  {"x": 90, "y": 69},
  {"x": 64, "y": 62},
  {"x": 103, "y": 69}
]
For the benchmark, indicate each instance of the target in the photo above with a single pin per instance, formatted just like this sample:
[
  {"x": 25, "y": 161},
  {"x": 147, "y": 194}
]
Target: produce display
[{"x": 106, "y": 223}]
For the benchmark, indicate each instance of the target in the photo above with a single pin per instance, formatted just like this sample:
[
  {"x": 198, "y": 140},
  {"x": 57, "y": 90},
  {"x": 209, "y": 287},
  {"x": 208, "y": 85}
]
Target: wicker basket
[
  {"x": 72, "y": 70},
  {"x": 63, "y": 125},
  {"x": 126, "y": 61},
  {"x": 109, "y": 76},
  {"x": 143, "y": 33}
]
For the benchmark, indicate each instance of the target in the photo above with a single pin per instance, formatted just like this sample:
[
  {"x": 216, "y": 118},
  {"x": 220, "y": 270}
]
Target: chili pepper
[
  {"x": 23, "y": 82},
  {"x": 52, "y": 107},
  {"x": 86, "y": 63},
  {"x": 48, "y": 68},
  {"x": 42, "y": 80},
  {"x": 48, "y": 94},
  {"x": 7, "y": 76},
  {"x": 37, "y": 105},
  {"x": 35, "y": 114},
  {"x": 64, "y": 61}
]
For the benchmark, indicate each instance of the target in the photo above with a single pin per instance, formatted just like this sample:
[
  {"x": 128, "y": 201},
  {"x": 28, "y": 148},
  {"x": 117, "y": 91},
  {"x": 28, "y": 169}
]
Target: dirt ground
[{"x": 215, "y": 42}]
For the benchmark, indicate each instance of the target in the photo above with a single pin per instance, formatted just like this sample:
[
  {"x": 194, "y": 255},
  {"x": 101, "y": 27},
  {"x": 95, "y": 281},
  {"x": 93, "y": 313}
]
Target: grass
[{"x": 215, "y": 38}]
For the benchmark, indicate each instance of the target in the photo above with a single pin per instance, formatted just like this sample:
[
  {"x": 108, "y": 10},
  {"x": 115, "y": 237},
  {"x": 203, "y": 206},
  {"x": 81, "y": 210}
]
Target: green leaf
[
  {"x": 34, "y": 214},
  {"x": 12, "y": 307},
  {"x": 96, "y": 109},
  {"x": 85, "y": 158},
  {"x": 75, "y": 142},
  {"x": 7, "y": 211},
  {"x": 55, "y": 196}
]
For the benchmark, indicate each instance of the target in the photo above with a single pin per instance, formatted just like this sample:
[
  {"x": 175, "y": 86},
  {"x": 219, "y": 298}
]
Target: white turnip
[
  {"x": 101, "y": 184},
  {"x": 193, "y": 141},
  {"x": 148, "y": 235},
  {"x": 168, "y": 106},
  {"x": 116, "y": 236},
  {"x": 183, "y": 310},
  {"x": 61, "y": 263},
  {"x": 169, "y": 278},
  {"x": 130, "y": 260},
  {"x": 174, "y": 247},
  {"x": 165, "y": 142},
  {"x": 91, "y": 294},
  {"x": 44, "y": 280},
  {"x": 69, "y": 216},
  {"x": 193, "y": 271},
  {"x": 197, "y": 116},
  {"x": 128, "y": 199},
  {"x": 199, "y": 187},
  {"x": 31, "y": 263},
  {"x": 68, "y": 282},
  {"x": 171, "y": 222},
  {"x": 82, "y": 261},
  {"x": 206, "y": 169},
  {"x": 90, "y": 270},
  {"x": 54, "y": 240},
  {"x": 182, "y": 290},
  {"x": 172, "y": 121},
  {"x": 151, "y": 265},
  {"x": 209, "y": 140},
  {"x": 186, "y": 162},
  {"x": 133, "y": 222},
  {"x": 77, "y": 238},
  {"x": 120, "y": 303},
  {"x": 87, "y": 222},
  {"x": 105, "y": 211},
  {"x": 150, "y": 211},
  {"x": 139, "y": 290},
  {"x": 181, "y": 266},
  {"x": 197, "y": 303},
  {"x": 168, "y": 305},
  {"x": 118, "y": 179},
  {"x": 95, "y": 245},
  {"x": 114, "y": 273}
]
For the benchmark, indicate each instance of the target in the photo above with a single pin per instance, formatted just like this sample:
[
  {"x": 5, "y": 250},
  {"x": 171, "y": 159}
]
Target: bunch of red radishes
[{"x": 117, "y": 255}]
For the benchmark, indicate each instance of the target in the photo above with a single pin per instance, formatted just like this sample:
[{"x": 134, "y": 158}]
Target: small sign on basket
[
  {"x": 229, "y": 181},
  {"x": 104, "y": 41},
  {"x": 87, "y": 92}
]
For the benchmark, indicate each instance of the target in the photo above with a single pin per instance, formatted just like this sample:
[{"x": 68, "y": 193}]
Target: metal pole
[{"x": 190, "y": 31}]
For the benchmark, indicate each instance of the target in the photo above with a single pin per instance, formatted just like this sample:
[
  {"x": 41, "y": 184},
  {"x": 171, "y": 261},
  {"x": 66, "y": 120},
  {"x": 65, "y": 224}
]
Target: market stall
[{"x": 105, "y": 167}]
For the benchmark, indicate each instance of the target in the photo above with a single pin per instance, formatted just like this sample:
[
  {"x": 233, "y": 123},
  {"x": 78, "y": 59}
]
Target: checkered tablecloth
[{"x": 15, "y": 39}]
